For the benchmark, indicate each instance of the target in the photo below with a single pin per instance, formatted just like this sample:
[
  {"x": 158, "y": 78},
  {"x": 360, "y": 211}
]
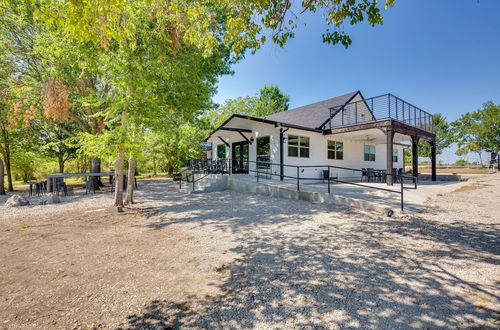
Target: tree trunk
[
  {"x": 119, "y": 178},
  {"x": 60, "y": 160},
  {"x": 493, "y": 158},
  {"x": 95, "y": 167},
  {"x": 6, "y": 158},
  {"x": 2, "y": 188},
  {"x": 10, "y": 186},
  {"x": 129, "y": 199},
  {"x": 154, "y": 166}
]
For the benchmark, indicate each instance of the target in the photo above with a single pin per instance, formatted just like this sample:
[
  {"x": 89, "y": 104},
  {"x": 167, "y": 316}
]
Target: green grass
[{"x": 457, "y": 170}]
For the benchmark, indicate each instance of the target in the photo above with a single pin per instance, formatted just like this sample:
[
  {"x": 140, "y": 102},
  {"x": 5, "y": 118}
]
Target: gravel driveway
[{"x": 229, "y": 260}]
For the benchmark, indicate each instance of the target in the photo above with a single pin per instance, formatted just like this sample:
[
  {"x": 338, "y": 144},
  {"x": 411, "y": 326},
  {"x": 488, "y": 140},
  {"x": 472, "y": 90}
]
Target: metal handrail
[
  {"x": 381, "y": 107},
  {"x": 193, "y": 181},
  {"x": 230, "y": 165}
]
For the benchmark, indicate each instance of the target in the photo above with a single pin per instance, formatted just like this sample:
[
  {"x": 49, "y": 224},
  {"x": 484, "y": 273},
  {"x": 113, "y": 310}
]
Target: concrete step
[{"x": 210, "y": 183}]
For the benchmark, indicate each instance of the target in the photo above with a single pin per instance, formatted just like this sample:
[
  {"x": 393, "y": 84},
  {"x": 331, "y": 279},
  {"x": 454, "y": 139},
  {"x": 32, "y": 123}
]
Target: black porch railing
[
  {"x": 379, "y": 108},
  {"x": 204, "y": 167}
]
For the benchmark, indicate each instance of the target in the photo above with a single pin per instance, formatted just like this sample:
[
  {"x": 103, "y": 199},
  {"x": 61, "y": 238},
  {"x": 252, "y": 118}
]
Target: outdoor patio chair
[
  {"x": 364, "y": 174},
  {"x": 394, "y": 175},
  {"x": 89, "y": 186},
  {"x": 370, "y": 174},
  {"x": 31, "y": 186},
  {"x": 38, "y": 188},
  {"x": 399, "y": 176},
  {"x": 326, "y": 174},
  {"x": 381, "y": 176},
  {"x": 61, "y": 186}
]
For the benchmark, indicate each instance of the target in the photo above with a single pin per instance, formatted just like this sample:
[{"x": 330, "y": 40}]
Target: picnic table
[{"x": 52, "y": 178}]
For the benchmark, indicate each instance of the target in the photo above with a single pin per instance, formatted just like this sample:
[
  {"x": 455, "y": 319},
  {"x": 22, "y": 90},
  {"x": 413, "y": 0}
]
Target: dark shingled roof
[{"x": 312, "y": 115}]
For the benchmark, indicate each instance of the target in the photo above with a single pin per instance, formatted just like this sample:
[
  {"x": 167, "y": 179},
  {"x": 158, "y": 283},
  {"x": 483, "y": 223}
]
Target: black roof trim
[
  {"x": 265, "y": 121},
  {"x": 340, "y": 108}
]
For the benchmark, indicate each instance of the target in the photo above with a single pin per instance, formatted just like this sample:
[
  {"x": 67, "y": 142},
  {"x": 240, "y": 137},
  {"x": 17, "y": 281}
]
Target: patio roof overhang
[
  {"x": 391, "y": 128},
  {"x": 232, "y": 129},
  {"x": 222, "y": 127}
]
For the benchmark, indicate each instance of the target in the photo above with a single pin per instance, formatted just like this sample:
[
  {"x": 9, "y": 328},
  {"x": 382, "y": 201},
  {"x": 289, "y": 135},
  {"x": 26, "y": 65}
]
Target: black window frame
[
  {"x": 335, "y": 150},
  {"x": 367, "y": 156},
  {"x": 218, "y": 150},
  {"x": 263, "y": 158},
  {"x": 395, "y": 155},
  {"x": 300, "y": 148}
]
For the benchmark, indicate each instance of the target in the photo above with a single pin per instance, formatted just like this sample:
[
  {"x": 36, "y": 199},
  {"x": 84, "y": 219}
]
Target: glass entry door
[{"x": 240, "y": 157}]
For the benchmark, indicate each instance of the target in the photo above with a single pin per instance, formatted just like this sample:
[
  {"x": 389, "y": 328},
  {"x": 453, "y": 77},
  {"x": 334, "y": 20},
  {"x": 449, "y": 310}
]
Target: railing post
[
  {"x": 298, "y": 180},
  {"x": 389, "y": 101},
  {"x": 256, "y": 169},
  {"x": 396, "y": 108},
  {"x": 328, "y": 179},
  {"x": 193, "y": 182},
  {"x": 401, "y": 179}
]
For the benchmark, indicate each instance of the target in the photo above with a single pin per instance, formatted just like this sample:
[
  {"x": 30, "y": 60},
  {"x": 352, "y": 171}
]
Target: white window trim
[{"x": 397, "y": 155}]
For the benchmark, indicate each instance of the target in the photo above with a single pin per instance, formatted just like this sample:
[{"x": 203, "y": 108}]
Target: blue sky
[{"x": 441, "y": 55}]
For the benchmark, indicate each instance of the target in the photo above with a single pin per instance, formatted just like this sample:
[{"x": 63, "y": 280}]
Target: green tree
[
  {"x": 478, "y": 131},
  {"x": 269, "y": 100},
  {"x": 443, "y": 137},
  {"x": 247, "y": 22}
]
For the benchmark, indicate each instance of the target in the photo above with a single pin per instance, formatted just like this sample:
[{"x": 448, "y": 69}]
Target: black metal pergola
[{"x": 392, "y": 115}]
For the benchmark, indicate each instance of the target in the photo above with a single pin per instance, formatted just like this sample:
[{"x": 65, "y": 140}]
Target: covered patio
[{"x": 392, "y": 121}]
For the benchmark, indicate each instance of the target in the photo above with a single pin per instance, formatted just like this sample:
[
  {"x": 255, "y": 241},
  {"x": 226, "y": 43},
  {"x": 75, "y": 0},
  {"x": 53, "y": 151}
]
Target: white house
[{"x": 346, "y": 132}]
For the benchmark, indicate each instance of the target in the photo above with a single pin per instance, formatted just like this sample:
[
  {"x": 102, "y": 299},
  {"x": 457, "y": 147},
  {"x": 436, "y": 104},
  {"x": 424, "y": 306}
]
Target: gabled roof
[{"x": 312, "y": 115}]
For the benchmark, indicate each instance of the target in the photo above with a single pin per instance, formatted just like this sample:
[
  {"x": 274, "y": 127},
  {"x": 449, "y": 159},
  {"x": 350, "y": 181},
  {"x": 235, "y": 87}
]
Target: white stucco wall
[
  {"x": 258, "y": 130},
  {"x": 353, "y": 150},
  {"x": 353, "y": 156}
]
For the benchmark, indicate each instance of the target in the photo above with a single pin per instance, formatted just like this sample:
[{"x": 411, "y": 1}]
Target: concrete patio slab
[{"x": 368, "y": 197}]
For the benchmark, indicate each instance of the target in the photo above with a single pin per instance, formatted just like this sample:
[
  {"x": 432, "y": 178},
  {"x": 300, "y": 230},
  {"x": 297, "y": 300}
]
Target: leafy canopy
[
  {"x": 443, "y": 137},
  {"x": 246, "y": 23},
  {"x": 269, "y": 100},
  {"x": 479, "y": 130}
]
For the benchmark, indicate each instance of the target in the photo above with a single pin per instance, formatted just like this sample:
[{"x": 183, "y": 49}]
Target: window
[
  {"x": 298, "y": 146},
  {"x": 335, "y": 150},
  {"x": 221, "y": 151},
  {"x": 263, "y": 151},
  {"x": 369, "y": 152},
  {"x": 394, "y": 155}
]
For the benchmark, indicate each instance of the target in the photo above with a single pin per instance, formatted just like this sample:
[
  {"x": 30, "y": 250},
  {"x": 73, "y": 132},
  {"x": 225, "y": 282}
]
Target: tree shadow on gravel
[
  {"x": 156, "y": 316},
  {"x": 225, "y": 210},
  {"x": 380, "y": 273}
]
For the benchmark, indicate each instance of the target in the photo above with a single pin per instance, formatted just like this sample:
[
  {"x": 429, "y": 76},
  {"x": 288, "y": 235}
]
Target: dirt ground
[{"x": 228, "y": 260}]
